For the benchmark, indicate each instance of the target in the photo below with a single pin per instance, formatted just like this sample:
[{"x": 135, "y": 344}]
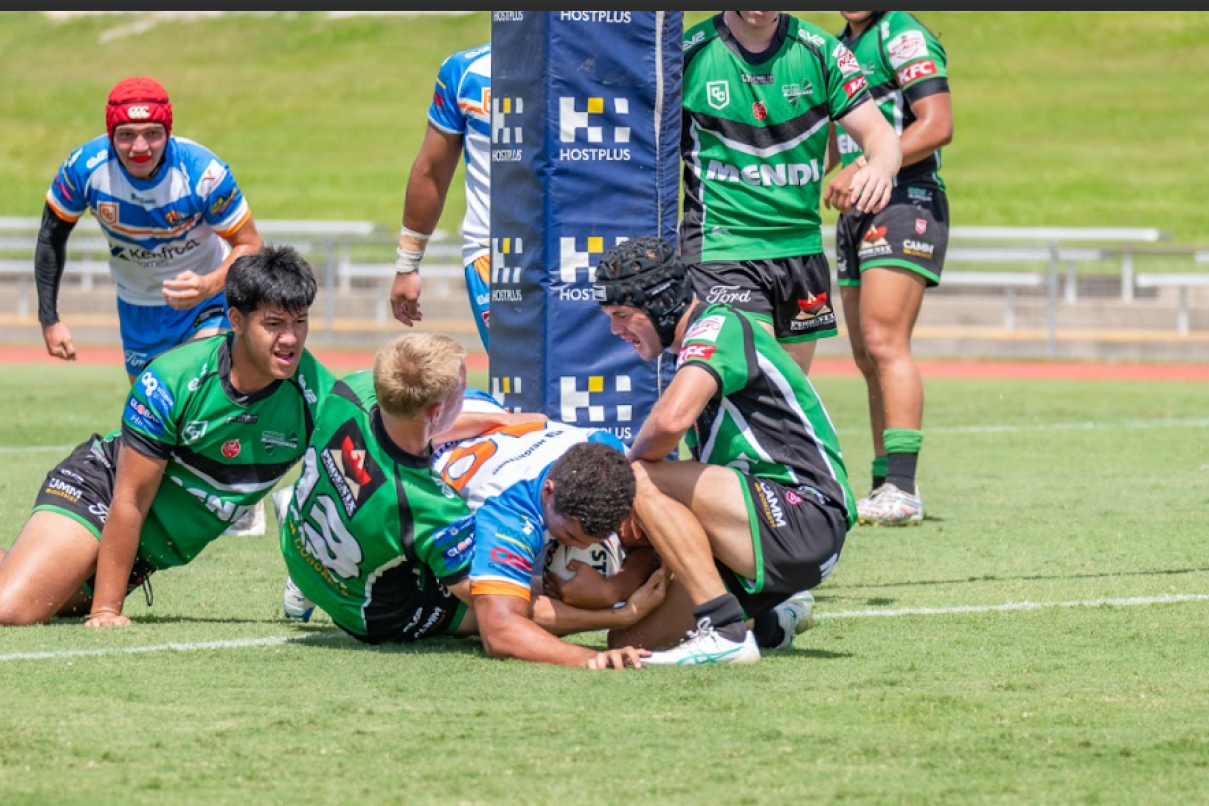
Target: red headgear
[{"x": 138, "y": 100}]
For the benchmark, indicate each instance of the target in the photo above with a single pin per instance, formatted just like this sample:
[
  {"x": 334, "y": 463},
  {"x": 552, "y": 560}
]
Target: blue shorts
[
  {"x": 478, "y": 276},
  {"x": 148, "y": 330}
]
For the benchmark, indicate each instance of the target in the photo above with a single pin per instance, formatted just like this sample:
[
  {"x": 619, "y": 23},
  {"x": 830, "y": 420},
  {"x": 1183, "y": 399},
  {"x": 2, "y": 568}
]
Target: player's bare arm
[
  {"x": 188, "y": 289},
  {"x": 674, "y": 413},
  {"x": 509, "y": 631},
  {"x": 871, "y": 185},
  {"x": 138, "y": 479},
  {"x": 932, "y": 128},
  {"x": 427, "y": 186}
]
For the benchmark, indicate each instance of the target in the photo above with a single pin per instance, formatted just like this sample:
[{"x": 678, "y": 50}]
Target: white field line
[
  {"x": 237, "y": 643},
  {"x": 1127, "y": 425},
  {"x": 1139, "y": 601},
  {"x": 241, "y": 643}
]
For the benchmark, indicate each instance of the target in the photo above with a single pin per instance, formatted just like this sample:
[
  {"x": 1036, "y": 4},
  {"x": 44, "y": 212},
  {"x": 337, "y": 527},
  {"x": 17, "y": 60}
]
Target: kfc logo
[
  {"x": 701, "y": 352},
  {"x": 855, "y": 85},
  {"x": 915, "y": 72}
]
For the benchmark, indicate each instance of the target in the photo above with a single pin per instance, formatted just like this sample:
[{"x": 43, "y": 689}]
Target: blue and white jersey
[
  {"x": 158, "y": 227},
  {"x": 500, "y": 476},
  {"x": 461, "y": 104}
]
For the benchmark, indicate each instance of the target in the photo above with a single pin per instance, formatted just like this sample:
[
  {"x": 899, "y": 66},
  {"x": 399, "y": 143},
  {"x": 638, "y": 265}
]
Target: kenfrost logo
[
  {"x": 506, "y": 128},
  {"x": 572, "y": 400},
  {"x": 572, "y": 262},
  {"x": 588, "y": 127}
]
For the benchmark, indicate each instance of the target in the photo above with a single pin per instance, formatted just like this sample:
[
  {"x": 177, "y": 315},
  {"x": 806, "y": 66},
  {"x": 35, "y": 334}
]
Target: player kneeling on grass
[
  {"x": 374, "y": 537},
  {"x": 207, "y": 431},
  {"x": 763, "y": 512}
]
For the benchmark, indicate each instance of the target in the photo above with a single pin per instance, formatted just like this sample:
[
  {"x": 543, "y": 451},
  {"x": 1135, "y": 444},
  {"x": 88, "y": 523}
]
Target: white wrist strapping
[{"x": 410, "y": 251}]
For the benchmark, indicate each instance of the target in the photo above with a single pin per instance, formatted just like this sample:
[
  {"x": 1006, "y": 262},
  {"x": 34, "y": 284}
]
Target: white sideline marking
[
  {"x": 237, "y": 643},
  {"x": 1127, "y": 425},
  {"x": 942, "y": 611},
  {"x": 240, "y": 643}
]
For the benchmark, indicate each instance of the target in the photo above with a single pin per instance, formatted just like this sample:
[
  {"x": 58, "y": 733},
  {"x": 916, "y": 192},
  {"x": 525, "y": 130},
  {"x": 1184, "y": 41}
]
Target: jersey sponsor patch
[
  {"x": 350, "y": 468},
  {"x": 139, "y": 416},
  {"x": 847, "y": 63},
  {"x": 706, "y": 330},
  {"x": 157, "y": 394},
  {"x": 854, "y": 86},
  {"x": 906, "y": 47},
  {"x": 211, "y": 178},
  {"x": 456, "y": 541},
  {"x": 701, "y": 352},
  {"x": 914, "y": 72}
]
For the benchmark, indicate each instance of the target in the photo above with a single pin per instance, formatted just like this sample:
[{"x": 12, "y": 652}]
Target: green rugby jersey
[
  {"x": 903, "y": 62},
  {"x": 370, "y": 525},
  {"x": 225, "y": 450},
  {"x": 754, "y": 139},
  {"x": 766, "y": 420}
]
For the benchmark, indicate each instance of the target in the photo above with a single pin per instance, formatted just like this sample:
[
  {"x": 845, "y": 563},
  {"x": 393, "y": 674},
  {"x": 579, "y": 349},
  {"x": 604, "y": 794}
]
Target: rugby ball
[{"x": 606, "y": 557}]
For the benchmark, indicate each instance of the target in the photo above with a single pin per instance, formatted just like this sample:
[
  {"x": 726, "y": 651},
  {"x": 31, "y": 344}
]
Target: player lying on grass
[
  {"x": 207, "y": 431},
  {"x": 763, "y": 511},
  {"x": 533, "y": 486},
  {"x": 376, "y": 539}
]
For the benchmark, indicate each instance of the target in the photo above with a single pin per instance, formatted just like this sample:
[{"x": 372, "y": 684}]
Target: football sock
[
  {"x": 768, "y": 629},
  {"x": 725, "y": 614},
  {"x": 902, "y": 456},
  {"x": 879, "y": 471}
]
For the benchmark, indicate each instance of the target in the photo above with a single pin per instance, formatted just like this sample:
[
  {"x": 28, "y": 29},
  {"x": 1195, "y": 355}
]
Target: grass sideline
[
  {"x": 1090, "y": 704},
  {"x": 1061, "y": 118}
]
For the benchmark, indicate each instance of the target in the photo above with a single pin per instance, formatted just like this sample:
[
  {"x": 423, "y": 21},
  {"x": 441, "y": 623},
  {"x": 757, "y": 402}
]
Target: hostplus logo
[
  {"x": 573, "y": 401},
  {"x": 574, "y": 263},
  {"x": 506, "y": 269},
  {"x": 590, "y": 127},
  {"x": 502, "y": 387},
  {"x": 507, "y": 129}
]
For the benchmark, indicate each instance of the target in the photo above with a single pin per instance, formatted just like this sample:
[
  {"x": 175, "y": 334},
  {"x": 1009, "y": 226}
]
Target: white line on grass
[
  {"x": 237, "y": 643},
  {"x": 1127, "y": 425},
  {"x": 241, "y": 643},
  {"x": 942, "y": 611}
]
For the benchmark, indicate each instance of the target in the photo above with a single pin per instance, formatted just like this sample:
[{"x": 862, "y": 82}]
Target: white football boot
[
  {"x": 890, "y": 506},
  {"x": 796, "y": 616},
  {"x": 705, "y": 645}
]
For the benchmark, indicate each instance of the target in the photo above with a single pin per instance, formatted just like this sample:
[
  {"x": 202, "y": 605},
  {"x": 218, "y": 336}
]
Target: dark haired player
[{"x": 763, "y": 512}]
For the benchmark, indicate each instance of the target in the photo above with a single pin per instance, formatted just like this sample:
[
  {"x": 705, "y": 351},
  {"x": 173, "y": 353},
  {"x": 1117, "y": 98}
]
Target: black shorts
[
  {"x": 911, "y": 233},
  {"x": 797, "y": 533},
  {"x": 791, "y": 293},
  {"x": 81, "y": 488},
  {"x": 407, "y": 608}
]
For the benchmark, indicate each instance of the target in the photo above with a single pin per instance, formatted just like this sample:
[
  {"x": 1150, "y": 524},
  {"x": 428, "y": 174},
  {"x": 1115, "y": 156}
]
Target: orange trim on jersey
[
  {"x": 57, "y": 210},
  {"x": 158, "y": 232},
  {"x": 492, "y": 587},
  {"x": 227, "y": 233},
  {"x": 472, "y": 107}
]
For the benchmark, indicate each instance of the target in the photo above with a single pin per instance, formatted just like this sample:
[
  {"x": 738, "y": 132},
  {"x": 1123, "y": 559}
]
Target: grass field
[
  {"x": 914, "y": 688},
  {"x": 1061, "y": 118}
]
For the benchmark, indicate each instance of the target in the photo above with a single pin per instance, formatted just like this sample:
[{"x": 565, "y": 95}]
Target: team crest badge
[
  {"x": 108, "y": 212},
  {"x": 231, "y": 448},
  {"x": 921, "y": 225},
  {"x": 718, "y": 94},
  {"x": 759, "y": 110}
]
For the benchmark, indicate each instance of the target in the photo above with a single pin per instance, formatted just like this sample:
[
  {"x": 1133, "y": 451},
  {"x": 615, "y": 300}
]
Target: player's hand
[
  {"x": 840, "y": 188},
  {"x": 405, "y": 298},
  {"x": 645, "y": 599},
  {"x": 107, "y": 618},
  {"x": 58, "y": 341},
  {"x": 587, "y": 588},
  {"x": 870, "y": 191},
  {"x": 186, "y": 290},
  {"x": 618, "y": 658}
]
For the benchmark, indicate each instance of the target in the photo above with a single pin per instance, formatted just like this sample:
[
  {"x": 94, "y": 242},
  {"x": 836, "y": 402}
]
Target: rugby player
[
  {"x": 759, "y": 90},
  {"x": 208, "y": 429},
  {"x": 459, "y": 124},
  {"x": 887, "y": 259},
  {"x": 762, "y": 512}
]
